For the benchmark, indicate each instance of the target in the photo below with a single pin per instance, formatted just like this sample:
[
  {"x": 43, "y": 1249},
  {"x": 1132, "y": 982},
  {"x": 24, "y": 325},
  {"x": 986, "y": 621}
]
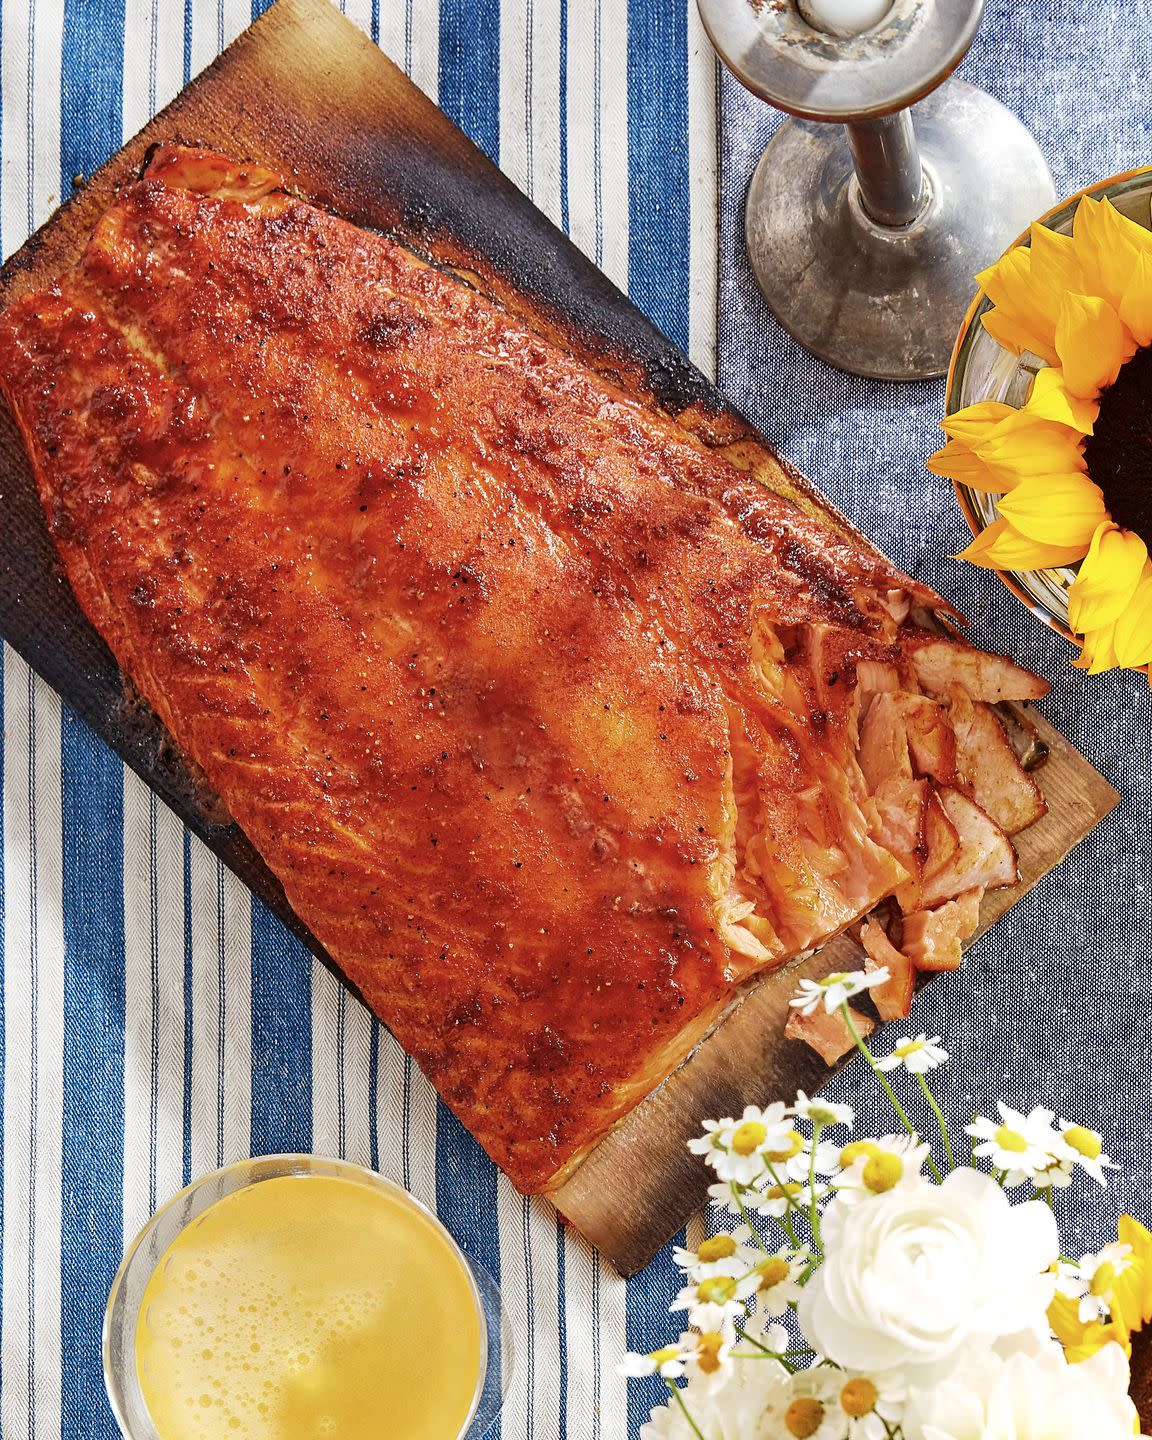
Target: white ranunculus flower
[
  {"x": 919, "y": 1272},
  {"x": 741, "y": 1410},
  {"x": 1034, "y": 1394}
]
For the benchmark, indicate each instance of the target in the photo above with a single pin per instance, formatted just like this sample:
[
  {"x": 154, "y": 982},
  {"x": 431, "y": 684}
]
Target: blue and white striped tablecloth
[{"x": 156, "y": 1023}]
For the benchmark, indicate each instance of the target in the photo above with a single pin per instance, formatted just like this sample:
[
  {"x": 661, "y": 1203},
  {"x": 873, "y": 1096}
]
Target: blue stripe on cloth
[
  {"x": 92, "y": 1154},
  {"x": 91, "y": 86},
  {"x": 659, "y": 211},
  {"x": 649, "y": 1327},
  {"x": 281, "y": 1038},
  {"x": 659, "y": 217},
  {"x": 466, "y": 1201},
  {"x": 470, "y": 69}
]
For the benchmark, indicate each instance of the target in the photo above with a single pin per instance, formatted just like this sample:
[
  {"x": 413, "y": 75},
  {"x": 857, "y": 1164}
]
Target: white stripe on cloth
[
  {"x": 597, "y": 149},
  {"x": 410, "y": 35},
  {"x": 153, "y": 1004},
  {"x": 153, "y": 59},
  {"x": 530, "y": 100},
  {"x": 220, "y": 1027},
  {"x": 30, "y": 1367},
  {"x": 33, "y": 1045},
  {"x": 703, "y": 193},
  {"x": 215, "y": 24}
]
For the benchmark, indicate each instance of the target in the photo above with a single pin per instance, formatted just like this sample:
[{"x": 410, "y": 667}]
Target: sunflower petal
[
  {"x": 1136, "y": 302},
  {"x": 1050, "y": 399},
  {"x": 1022, "y": 444},
  {"x": 1000, "y": 547},
  {"x": 1056, "y": 509},
  {"x": 1021, "y": 320},
  {"x": 1134, "y": 627},
  {"x": 1098, "y": 651},
  {"x": 1057, "y": 266},
  {"x": 1109, "y": 246},
  {"x": 956, "y": 462},
  {"x": 1107, "y": 579},
  {"x": 974, "y": 421},
  {"x": 1092, "y": 344}
]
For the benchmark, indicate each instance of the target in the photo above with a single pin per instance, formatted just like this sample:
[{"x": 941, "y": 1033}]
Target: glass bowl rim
[
  {"x": 969, "y": 327},
  {"x": 361, "y": 1174}
]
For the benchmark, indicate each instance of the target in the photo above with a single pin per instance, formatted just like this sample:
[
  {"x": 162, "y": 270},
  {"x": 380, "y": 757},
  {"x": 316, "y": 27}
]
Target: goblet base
[{"x": 873, "y": 299}]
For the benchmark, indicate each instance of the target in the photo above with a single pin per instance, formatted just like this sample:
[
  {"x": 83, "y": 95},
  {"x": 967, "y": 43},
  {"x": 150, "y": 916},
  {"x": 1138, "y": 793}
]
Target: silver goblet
[{"x": 865, "y": 234}]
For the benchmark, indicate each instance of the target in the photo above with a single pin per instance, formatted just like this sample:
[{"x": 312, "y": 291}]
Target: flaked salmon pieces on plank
[{"x": 545, "y": 715}]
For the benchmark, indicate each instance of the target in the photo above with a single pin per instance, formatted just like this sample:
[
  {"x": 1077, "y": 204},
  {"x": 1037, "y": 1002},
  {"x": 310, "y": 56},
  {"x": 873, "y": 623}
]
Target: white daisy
[
  {"x": 834, "y": 990},
  {"x": 819, "y": 1111},
  {"x": 809, "y": 1406},
  {"x": 778, "y": 1281},
  {"x": 710, "y": 1356},
  {"x": 873, "y": 1167},
  {"x": 775, "y": 1200},
  {"x": 722, "y": 1254},
  {"x": 710, "y": 1140},
  {"x": 1021, "y": 1145},
  {"x": 669, "y": 1363},
  {"x": 735, "y": 1412},
  {"x": 872, "y": 1404},
  {"x": 1092, "y": 1280},
  {"x": 1085, "y": 1148},
  {"x": 917, "y": 1056},
  {"x": 716, "y": 1300},
  {"x": 742, "y": 1145}
]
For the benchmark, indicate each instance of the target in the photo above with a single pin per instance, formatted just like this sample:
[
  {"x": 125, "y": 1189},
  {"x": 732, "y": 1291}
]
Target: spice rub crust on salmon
[{"x": 547, "y": 717}]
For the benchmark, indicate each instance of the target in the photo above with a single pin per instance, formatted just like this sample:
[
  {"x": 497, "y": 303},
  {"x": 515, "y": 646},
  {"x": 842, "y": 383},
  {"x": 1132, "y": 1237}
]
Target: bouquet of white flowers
[{"x": 887, "y": 1287}]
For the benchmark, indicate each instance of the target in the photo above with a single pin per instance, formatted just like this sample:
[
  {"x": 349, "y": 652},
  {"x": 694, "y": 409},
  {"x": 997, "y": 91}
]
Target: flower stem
[
  {"x": 675, "y": 1389},
  {"x": 883, "y": 1079},
  {"x": 786, "y": 1218},
  {"x": 813, "y": 1207},
  {"x": 939, "y": 1121},
  {"x": 747, "y": 1218}
]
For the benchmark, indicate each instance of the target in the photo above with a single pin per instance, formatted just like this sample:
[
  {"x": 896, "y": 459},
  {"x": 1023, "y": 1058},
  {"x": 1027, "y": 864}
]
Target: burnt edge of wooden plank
[{"x": 303, "y": 90}]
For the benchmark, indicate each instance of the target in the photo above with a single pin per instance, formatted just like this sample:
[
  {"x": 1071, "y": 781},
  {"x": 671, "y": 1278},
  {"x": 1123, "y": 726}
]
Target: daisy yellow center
[
  {"x": 715, "y": 1289},
  {"x": 748, "y": 1138},
  {"x": 772, "y": 1271},
  {"x": 1084, "y": 1142},
  {"x": 858, "y": 1398},
  {"x": 858, "y": 1150},
  {"x": 908, "y": 1047},
  {"x": 1011, "y": 1141},
  {"x": 662, "y": 1357},
  {"x": 719, "y": 1247},
  {"x": 882, "y": 1172},
  {"x": 804, "y": 1417},
  {"x": 795, "y": 1145},
  {"x": 783, "y": 1192},
  {"x": 708, "y": 1352},
  {"x": 837, "y": 977},
  {"x": 1103, "y": 1280}
]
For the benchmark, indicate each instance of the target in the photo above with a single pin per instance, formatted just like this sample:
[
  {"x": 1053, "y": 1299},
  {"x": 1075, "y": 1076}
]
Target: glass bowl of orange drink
[{"x": 292, "y": 1297}]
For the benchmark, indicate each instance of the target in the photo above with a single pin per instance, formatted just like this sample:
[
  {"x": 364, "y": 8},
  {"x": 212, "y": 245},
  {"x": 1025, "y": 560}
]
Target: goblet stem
[{"x": 888, "y": 168}]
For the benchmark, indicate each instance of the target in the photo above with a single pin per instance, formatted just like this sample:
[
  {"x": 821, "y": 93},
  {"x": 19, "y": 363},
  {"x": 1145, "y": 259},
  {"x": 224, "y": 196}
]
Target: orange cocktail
[{"x": 305, "y": 1306}]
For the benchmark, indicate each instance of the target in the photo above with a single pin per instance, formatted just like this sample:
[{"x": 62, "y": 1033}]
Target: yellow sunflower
[
  {"x": 1069, "y": 466},
  {"x": 1129, "y": 1301}
]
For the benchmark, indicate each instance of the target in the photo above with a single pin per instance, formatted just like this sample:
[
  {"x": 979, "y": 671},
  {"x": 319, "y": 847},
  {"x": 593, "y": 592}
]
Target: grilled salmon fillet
[{"x": 546, "y": 716}]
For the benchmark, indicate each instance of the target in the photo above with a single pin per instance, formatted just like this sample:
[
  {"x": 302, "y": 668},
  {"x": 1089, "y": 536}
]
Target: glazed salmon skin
[{"x": 545, "y": 715}]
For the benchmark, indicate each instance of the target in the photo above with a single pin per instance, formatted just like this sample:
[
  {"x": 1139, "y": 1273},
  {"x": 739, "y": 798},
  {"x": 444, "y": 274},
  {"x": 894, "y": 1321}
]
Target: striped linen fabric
[{"x": 156, "y": 1022}]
